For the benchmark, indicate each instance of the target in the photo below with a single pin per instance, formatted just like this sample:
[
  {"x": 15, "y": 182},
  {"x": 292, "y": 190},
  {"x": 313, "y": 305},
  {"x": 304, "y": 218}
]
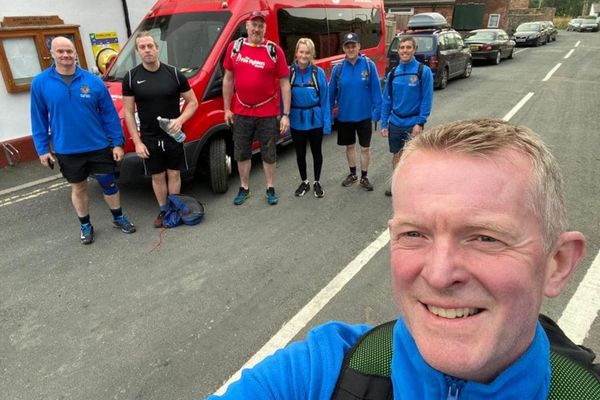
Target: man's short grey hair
[{"x": 485, "y": 137}]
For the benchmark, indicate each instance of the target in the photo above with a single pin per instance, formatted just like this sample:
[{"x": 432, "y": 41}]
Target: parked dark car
[
  {"x": 530, "y": 33},
  {"x": 490, "y": 44},
  {"x": 588, "y": 25},
  {"x": 583, "y": 25},
  {"x": 440, "y": 48},
  {"x": 552, "y": 31},
  {"x": 574, "y": 24}
]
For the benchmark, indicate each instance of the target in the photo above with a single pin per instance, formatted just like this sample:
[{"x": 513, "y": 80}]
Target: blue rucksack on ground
[{"x": 183, "y": 210}]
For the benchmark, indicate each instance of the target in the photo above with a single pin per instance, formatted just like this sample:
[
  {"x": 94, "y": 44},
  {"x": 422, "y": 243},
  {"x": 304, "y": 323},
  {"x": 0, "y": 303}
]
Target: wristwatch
[{"x": 287, "y": 114}]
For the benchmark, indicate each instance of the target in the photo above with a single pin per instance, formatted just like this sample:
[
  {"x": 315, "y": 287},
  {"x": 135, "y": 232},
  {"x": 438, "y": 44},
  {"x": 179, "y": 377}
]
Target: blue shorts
[{"x": 397, "y": 136}]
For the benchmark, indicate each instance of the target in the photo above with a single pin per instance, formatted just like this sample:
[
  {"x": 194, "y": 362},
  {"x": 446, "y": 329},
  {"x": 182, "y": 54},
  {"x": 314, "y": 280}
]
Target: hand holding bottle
[{"x": 165, "y": 124}]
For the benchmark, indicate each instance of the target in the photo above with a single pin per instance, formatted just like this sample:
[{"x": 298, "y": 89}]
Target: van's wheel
[
  {"x": 220, "y": 165},
  {"x": 443, "y": 79}
]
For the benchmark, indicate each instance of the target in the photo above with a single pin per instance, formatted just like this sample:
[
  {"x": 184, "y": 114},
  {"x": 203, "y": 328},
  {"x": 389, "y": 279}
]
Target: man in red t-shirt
[{"x": 255, "y": 72}]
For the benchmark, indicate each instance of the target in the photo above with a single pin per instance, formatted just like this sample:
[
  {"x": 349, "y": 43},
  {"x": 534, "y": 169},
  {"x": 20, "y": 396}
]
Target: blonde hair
[
  {"x": 308, "y": 43},
  {"x": 484, "y": 137}
]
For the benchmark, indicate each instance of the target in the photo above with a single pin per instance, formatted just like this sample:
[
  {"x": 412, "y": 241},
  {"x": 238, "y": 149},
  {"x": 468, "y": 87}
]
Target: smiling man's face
[{"x": 468, "y": 264}]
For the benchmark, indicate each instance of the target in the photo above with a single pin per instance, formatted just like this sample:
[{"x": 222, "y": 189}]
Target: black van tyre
[
  {"x": 443, "y": 79},
  {"x": 220, "y": 165},
  {"x": 498, "y": 58}
]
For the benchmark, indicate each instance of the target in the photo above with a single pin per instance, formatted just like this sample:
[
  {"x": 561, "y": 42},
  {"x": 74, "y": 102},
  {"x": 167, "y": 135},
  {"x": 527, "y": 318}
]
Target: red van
[{"x": 193, "y": 36}]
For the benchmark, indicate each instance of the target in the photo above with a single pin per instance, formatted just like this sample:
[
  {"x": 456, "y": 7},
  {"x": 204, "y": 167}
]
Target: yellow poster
[{"x": 105, "y": 46}]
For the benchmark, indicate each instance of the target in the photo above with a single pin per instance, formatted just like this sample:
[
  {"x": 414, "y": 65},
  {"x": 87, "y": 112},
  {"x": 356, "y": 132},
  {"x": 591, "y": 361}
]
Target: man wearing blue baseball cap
[{"x": 354, "y": 88}]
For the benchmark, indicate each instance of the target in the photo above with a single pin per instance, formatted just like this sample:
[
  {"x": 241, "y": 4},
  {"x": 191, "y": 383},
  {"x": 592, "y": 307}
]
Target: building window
[
  {"x": 494, "y": 21},
  {"x": 25, "y": 48}
]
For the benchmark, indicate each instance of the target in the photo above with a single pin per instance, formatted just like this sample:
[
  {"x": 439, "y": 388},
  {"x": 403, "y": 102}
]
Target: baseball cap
[
  {"x": 350, "y": 38},
  {"x": 257, "y": 14}
]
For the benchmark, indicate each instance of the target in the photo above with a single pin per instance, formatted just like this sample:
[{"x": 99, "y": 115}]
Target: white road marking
[
  {"x": 569, "y": 53},
  {"x": 578, "y": 43},
  {"x": 581, "y": 311},
  {"x": 29, "y": 184},
  {"x": 299, "y": 321},
  {"x": 552, "y": 71},
  {"x": 519, "y": 105}
]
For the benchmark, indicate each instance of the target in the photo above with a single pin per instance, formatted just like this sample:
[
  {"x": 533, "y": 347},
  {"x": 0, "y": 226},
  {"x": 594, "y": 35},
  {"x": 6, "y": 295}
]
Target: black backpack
[{"x": 367, "y": 369}]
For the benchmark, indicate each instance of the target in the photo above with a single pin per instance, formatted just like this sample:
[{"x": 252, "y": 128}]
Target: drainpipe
[{"x": 126, "y": 14}]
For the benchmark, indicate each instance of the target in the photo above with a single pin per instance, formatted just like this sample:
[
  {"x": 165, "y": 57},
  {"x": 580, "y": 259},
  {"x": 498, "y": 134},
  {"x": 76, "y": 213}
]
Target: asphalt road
[{"x": 146, "y": 316}]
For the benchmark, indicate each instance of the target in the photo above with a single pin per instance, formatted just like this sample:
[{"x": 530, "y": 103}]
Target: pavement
[{"x": 24, "y": 175}]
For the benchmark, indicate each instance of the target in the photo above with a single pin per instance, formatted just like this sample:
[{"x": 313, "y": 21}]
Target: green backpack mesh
[
  {"x": 372, "y": 355},
  {"x": 571, "y": 381}
]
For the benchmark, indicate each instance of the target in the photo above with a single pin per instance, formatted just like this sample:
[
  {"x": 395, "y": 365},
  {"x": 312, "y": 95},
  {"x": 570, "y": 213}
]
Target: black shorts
[
  {"x": 248, "y": 129},
  {"x": 347, "y": 132},
  {"x": 164, "y": 154},
  {"x": 77, "y": 167}
]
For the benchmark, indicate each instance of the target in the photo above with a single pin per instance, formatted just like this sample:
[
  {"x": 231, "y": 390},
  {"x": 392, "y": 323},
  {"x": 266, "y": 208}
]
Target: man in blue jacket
[
  {"x": 478, "y": 237},
  {"x": 354, "y": 87},
  {"x": 72, "y": 108},
  {"x": 407, "y": 99}
]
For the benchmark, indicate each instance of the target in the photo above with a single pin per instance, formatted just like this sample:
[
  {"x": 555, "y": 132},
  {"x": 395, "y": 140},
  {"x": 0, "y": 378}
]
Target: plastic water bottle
[{"x": 164, "y": 124}]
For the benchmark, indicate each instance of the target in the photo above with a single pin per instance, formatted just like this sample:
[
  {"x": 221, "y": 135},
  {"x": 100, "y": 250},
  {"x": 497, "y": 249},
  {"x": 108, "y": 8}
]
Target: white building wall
[{"x": 91, "y": 16}]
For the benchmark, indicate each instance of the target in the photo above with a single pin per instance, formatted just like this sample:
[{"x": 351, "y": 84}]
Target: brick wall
[{"x": 518, "y": 16}]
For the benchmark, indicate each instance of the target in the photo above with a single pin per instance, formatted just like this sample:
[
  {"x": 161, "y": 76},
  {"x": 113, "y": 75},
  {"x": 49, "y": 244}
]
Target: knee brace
[{"x": 108, "y": 184}]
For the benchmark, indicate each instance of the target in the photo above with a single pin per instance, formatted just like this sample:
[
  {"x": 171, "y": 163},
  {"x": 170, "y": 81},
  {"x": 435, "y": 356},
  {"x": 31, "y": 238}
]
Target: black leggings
[{"x": 315, "y": 138}]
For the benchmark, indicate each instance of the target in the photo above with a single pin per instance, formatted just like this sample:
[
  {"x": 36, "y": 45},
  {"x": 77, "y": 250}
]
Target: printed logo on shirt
[
  {"x": 140, "y": 82},
  {"x": 85, "y": 91},
  {"x": 247, "y": 60},
  {"x": 413, "y": 80},
  {"x": 364, "y": 75}
]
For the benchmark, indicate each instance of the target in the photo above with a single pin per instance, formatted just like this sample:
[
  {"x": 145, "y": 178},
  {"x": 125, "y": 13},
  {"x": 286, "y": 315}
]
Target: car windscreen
[
  {"x": 528, "y": 27},
  {"x": 184, "y": 41},
  {"x": 483, "y": 36}
]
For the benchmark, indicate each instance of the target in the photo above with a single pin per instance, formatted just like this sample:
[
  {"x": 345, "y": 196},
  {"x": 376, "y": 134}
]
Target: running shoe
[
  {"x": 271, "y": 196},
  {"x": 350, "y": 180},
  {"x": 87, "y": 233},
  {"x": 123, "y": 224},
  {"x": 241, "y": 197},
  {"x": 318, "y": 190},
  {"x": 302, "y": 189},
  {"x": 364, "y": 182},
  {"x": 158, "y": 221},
  {"x": 388, "y": 192}
]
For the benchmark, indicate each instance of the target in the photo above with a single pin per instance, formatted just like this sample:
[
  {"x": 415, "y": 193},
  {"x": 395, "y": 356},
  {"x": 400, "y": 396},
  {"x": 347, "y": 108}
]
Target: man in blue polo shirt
[{"x": 72, "y": 108}]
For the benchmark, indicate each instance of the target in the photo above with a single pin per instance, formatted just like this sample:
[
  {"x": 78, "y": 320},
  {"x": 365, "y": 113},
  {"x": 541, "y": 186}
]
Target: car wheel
[
  {"x": 510, "y": 55},
  {"x": 498, "y": 58},
  {"x": 538, "y": 42},
  {"x": 443, "y": 81},
  {"x": 220, "y": 166},
  {"x": 468, "y": 69}
]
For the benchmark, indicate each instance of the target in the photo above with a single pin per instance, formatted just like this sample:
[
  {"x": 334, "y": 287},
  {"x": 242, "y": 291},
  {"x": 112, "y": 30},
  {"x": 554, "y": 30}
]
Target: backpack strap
[
  {"x": 393, "y": 75},
  {"x": 366, "y": 369},
  {"x": 272, "y": 51},
  {"x": 237, "y": 46}
]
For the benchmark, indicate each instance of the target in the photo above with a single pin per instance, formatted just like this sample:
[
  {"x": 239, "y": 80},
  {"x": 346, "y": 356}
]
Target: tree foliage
[{"x": 571, "y": 8}]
